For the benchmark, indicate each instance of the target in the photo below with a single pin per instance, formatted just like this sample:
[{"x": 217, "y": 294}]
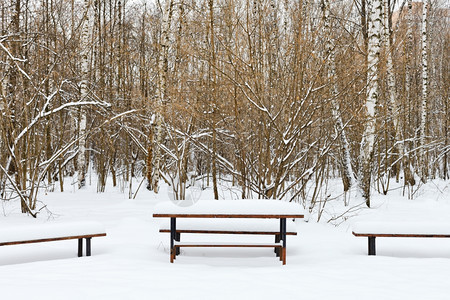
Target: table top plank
[{"x": 264, "y": 209}]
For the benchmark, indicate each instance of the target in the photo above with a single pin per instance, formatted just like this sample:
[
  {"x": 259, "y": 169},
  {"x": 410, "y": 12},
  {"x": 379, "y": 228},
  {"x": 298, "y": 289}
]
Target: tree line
[{"x": 271, "y": 96}]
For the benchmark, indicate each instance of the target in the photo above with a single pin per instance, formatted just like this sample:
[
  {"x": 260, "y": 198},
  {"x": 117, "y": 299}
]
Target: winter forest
[{"x": 273, "y": 97}]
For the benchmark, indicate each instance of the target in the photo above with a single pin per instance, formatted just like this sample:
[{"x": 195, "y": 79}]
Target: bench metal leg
[
  {"x": 372, "y": 245},
  {"x": 173, "y": 233},
  {"x": 88, "y": 246},
  {"x": 80, "y": 247},
  {"x": 277, "y": 240},
  {"x": 178, "y": 239},
  {"x": 283, "y": 238}
]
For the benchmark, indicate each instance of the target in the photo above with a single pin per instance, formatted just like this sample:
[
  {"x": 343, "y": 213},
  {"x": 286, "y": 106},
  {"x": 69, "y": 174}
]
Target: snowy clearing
[{"x": 132, "y": 261}]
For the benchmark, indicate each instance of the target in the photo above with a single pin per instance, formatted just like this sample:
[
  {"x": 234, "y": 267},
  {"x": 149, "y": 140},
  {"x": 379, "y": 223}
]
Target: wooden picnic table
[{"x": 229, "y": 209}]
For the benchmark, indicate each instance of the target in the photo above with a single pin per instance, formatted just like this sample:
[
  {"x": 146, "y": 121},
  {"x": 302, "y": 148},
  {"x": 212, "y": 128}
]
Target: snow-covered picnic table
[
  {"x": 248, "y": 210},
  {"x": 417, "y": 229},
  {"x": 53, "y": 232}
]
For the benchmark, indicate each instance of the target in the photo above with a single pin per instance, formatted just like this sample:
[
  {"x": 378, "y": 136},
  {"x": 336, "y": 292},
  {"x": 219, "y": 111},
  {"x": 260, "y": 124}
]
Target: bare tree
[{"x": 347, "y": 171}]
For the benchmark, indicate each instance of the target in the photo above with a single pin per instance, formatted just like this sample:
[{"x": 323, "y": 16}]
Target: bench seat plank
[
  {"x": 209, "y": 244},
  {"x": 405, "y": 229},
  {"x": 231, "y": 226},
  {"x": 226, "y": 232},
  {"x": 406, "y": 235},
  {"x": 52, "y": 239},
  {"x": 50, "y": 231}
]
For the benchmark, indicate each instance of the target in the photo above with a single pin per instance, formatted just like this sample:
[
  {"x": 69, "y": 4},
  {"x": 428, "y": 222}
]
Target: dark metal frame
[
  {"x": 88, "y": 246},
  {"x": 372, "y": 245},
  {"x": 283, "y": 238},
  {"x": 173, "y": 237}
]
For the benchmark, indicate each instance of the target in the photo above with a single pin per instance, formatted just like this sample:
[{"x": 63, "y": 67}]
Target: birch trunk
[
  {"x": 446, "y": 174},
  {"x": 393, "y": 107},
  {"x": 368, "y": 138},
  {"x": 81, "y": 159},
  {"x": 163, "y": 69},
  {"x": 423, "y": 116},
  {"x": 408, "y": 172},
  {"x": 347, "y": 172}
]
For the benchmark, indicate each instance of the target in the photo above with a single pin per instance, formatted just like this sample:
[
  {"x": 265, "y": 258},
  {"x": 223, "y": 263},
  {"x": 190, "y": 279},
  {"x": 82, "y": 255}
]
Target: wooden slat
[
  {"x": 52, "y": 239},
  {"x": 227, "y": 232},
  {"x": 243, "y": 216},
  {"x": 401, "y": 235},
  {"x": 229, "y": 245}
]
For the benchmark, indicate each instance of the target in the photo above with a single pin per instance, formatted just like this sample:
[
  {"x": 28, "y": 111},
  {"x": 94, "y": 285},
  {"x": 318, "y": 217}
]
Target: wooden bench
[
  {"x": 235, "y": 226},
  {"x": 53, "y": 232},
  {"x": 228, "y": 211},
  {"x": 372, "y": 230}
]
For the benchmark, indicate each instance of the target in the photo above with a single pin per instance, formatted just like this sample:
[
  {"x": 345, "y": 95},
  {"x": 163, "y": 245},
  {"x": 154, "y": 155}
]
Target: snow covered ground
[{"x": 132, "y": 262}]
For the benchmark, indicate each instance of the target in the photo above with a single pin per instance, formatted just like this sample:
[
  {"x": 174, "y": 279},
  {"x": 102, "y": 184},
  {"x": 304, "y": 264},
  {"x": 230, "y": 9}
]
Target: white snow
[
  {"x": 231, "y": 207},
  {"x": 132, "y": 261},
  {"x": 49, "y": 230}
]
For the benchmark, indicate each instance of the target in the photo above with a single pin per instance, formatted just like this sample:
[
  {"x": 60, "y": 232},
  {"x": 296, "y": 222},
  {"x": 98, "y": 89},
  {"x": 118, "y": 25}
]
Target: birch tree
[
  {"x": 423, "y": 112},
  {"x": 84, "y": 92},
  {"x": 408, "y": 173},
  {"x": 161, "y": 94},
  {"x": 368, "y": 139},
  {"x": 393, "y": 105}
]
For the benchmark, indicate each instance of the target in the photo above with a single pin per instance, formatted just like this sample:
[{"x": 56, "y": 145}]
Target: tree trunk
[
  {"x": 347, "y": 171},
  {"x": 393, "y": 107},
  {"x": 368, "y": 138},
  {"x": 408, "y": 172},
  {"x": 213, "y": 80},
  {"x": 84, "y": 41},
  {"x": 423, "y": 117},
  {"x": 163, "y": 69}
]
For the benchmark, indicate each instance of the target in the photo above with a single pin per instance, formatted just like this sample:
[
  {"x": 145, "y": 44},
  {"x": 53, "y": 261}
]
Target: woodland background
[{"x": 270, "y": 96}]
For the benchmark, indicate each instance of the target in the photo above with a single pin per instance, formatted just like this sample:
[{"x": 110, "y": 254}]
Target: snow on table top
[
  {"x": 49, "y": 230},
  {"x": 418, "y": 227},
  {"x": 257, "y": 225},
  {"x": 229, "y": 207}
]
